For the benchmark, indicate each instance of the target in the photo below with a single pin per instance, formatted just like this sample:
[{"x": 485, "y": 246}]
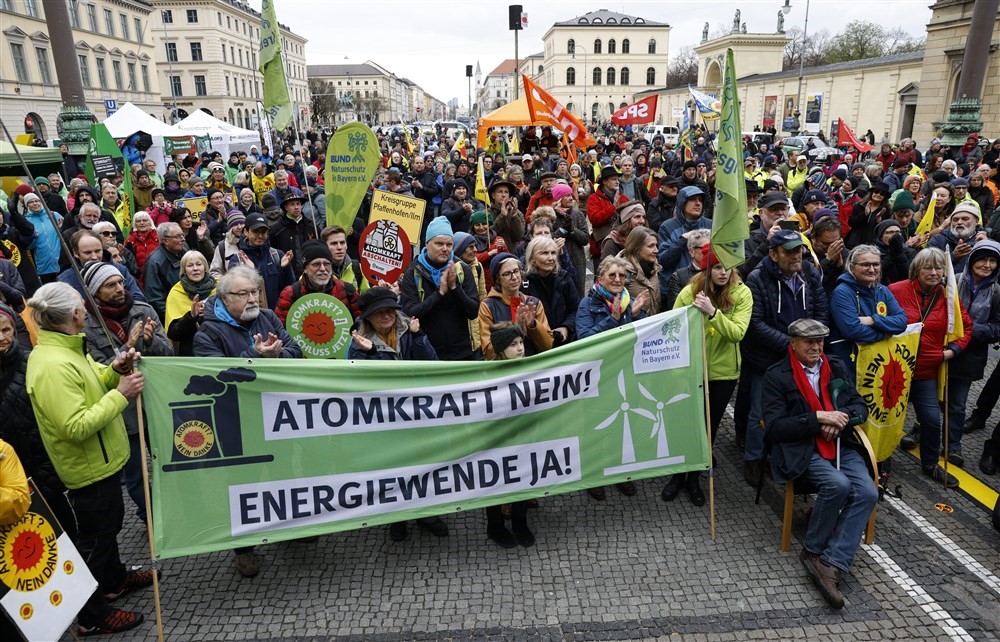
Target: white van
[{"x": 668, "y": 132}]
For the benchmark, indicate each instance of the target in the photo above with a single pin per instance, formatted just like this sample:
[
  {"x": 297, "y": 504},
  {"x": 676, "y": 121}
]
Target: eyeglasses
[
  {"x": 246, "y": 294},
  {"x": 167, "y": 237},
  {"x": 510, "y": 273},
  {"x": 615, "y": 276},
  {"x": 868, "y": 266},
  {"x": 108, "y": 234}
]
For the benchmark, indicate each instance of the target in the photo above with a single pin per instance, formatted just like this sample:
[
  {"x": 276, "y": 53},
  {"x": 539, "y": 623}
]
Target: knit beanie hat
[
  {"x": 883, "y": 226},
  {"x": 312, "y": 250},
  {"x": 561, "y": 191},
  {"x": 23, "y": 189},
  {"x": 462, "y": 242},
  {"x": 234, "y": 218},
  {"x": 502, "y": 338},
  {"x": 904, "y": 201},
  {"x": 481, "y": 216},
  {"x": 29, "y": 197},
  {"x": 439, "y": 227},
  {"x": 95, "y": 273},
  {"x": 497, "y": 262},
  {"x": 708, "y": 258}
]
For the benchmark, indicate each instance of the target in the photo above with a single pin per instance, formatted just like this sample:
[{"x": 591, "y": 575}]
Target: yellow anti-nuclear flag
[
  {"x": 482, "y": 194},
  {"x": 884, "y": 375},
  {"x": 927, "y": 222},
  {"x": 956, "y": 327}
]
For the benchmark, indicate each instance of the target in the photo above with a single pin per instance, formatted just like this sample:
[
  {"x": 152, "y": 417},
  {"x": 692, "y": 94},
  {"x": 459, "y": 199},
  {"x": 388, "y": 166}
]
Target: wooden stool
[{"x": 786, "y": 520}]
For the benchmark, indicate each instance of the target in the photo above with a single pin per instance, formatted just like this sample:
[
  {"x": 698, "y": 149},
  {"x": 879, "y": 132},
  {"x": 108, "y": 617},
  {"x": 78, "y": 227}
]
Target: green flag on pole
[
  {"x": 276, "y": 99},
  {"x": 105, "y": 160},
  {"x": 729, "y": 225},
  {"x": 352, "y": 158}
]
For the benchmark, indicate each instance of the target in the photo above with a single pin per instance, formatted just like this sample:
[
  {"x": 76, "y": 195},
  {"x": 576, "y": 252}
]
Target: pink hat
[{"x": 561, "y": 191}]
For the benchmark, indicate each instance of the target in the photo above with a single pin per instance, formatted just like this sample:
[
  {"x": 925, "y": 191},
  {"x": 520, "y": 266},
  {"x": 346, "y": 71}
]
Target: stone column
[
  {"x": 73, "y": 122},
  {"x": 963, "y": 115}
]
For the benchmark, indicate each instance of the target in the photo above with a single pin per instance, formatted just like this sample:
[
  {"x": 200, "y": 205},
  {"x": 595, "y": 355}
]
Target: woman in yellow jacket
[{"x": 727, "y": 306}]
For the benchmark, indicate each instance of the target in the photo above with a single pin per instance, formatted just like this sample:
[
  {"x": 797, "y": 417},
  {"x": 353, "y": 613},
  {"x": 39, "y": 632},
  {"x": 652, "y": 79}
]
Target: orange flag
[{"x": 543, "y": 108}]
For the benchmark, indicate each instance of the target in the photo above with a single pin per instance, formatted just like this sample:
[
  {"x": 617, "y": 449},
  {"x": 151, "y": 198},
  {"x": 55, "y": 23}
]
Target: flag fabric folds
[
  {"x": 641, "y": 112},
  {"x": 707, "y": 104},
  {"x": 277, "y": 101},
  {"x": 543, "y": 108},
  {"x": 846, "y": 137},
  {"x": 686, "y": 136},
  {"x": 481, "y": 192},
  {"x": 729, "y": 225}
]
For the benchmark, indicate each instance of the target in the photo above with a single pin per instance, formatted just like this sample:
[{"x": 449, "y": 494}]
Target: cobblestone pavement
[{"x": 624, "y": 569}]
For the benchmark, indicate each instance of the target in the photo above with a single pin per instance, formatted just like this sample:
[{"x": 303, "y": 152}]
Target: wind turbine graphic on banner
[{"x": 659, "y": 431}]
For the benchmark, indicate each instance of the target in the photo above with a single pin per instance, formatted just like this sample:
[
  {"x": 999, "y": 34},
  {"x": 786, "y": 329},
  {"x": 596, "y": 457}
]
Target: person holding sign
[{"x": 317, "y": 277}]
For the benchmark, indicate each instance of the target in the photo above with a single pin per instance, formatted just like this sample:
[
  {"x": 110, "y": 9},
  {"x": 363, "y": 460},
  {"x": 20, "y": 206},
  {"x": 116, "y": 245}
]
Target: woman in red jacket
[
  {"x": 923, "y": 299},
  {"x": 601, "y": 210},
  {"x": 143, "y": 240}
]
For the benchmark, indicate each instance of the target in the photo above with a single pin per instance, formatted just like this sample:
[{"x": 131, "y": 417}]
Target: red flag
[
  {"x": 543, "y": 108},
  {"x": 638, "y": 113},
  {"x": 845, "y": 137}
]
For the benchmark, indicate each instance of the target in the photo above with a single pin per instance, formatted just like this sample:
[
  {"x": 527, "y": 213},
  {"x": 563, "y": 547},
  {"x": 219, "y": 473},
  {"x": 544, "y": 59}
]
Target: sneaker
[
  {"x": 133, "y": 581},
  {"x": 910, "y": 441},
  {"x": 115, "y": 622},
  {"x": 937, "y": 474},
  {"x": 955, "y": 458},
  {"x": 398, "y": 531},
  {"x": 246, "y": 564}
]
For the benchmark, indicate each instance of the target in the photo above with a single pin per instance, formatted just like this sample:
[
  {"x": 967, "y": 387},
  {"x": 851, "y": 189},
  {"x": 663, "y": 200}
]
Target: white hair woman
[{"x": 186, "y": 302}]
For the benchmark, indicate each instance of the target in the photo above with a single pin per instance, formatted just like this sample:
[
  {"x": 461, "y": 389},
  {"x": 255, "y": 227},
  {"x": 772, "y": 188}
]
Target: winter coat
[
  {"x": 559, "y": 296},
  {"x": 946, "y": 241},
  {"x": 659, "y": 211},
  {"x": 724, "y": 331},
  {"x": 496, "y": 308},
  {"x": 850, "y": 301},
  {"x": 163, "y": 270},
  {"x": 68, "y": 276},
  {"x": 12, "y": 290},
  {"x": 267, "y": 261},
  {"x": 912, "y": 299},
  {"x": 104, "y": 352},
  {"x": 862, "y": 224},
  {"x": 224, "y": 254},
  {"x": 142, "y": 246},
  {"x": 602, "y": 216},
  {"x": 896, "y": 259},
  {"x": 289, "y": 236},
  {"x": 222, "y": 336},
  {"x": 673, "y": 252},
  {"x": 791, "y": 424},
  {"x": 594, "y": 317},
  {"x": 455, "y": 212},
  {"x": 181, "y": 329},
  {"x": 636, "y": 282},
  {"x": 78, "y": 409},
  {"x": 983, "y": 305},
  {"x": 443, "y": 317},
  {"x": 775, "y": 306},
  {"x": 634, "y": 189},
  {"x": 409, "y": 346},
  {"x": 677, "y": 282},
  {"x": 46, "y": 247},
  {"x": 345, "y": 292}
]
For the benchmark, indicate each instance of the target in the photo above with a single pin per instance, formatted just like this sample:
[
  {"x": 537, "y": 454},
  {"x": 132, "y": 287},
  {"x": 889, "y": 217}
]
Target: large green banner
[
  {"x": 253, "y": 451},
  {"x": 352, "y": 158}
]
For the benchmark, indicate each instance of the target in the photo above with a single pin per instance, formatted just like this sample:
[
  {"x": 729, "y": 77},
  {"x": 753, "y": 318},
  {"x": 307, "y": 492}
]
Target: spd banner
[
  {"x": 250, "y": 452},
  {"x": 884, "y": 375}
]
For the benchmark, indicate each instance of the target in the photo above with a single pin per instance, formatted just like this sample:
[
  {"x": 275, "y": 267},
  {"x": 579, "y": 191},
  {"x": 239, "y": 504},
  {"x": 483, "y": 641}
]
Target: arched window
[
  {"x": 626, "y": 47},
  {"x": 232, "y": 117},
  {"x": 571, "y": 46},
  {"x": 597, "y": 46},
  {"x": 541, "y": 68},
  {"x": 593, "y": 111},
  {"x": 650, "y": 76},
  {"x": 610, "y": 75},
  {"x": 611, "y": 108},
  {"x": 624, "y": 78},
  {"x": 652, "y": 46},
  {"x": 570, "y": 107},
  {"x": 571, "y": 76},
  {"x": 612, "y": 46},
  {"x": 597, "y": 75}
]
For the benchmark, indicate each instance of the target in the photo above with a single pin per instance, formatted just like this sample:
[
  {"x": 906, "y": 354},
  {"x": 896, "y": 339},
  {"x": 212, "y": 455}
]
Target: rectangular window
[
  {"x": 92, "y": 17},
  {"x": 192, "y": 15},
  {"x": 244, "y": 80},
  {"x": 144, "y": 70},
  {"x": 244, "y": 28},
  {"x": 228, "y": 89},
  {"x": 254, "y": 65},
  {"x": 219, "y": 16},
  {"x": 232, "y": 54},
  {"x": 43, "y": 65},
  {"x": 5, "y": 5},
  {"x": 167, "y": 16},
  {"x": 256, "y": 89},
  {"x": 102, "y": 73},
  {"x": 171, "y": 51},
  {"x": 196, "y": 51},
  {"x": 224, "y": 59},
  {"x": 84, "y": 69},
  {"x": 20, "y": 64},
  {"x": 74, "y": 13},
  {"x": 241, "y": 57},
  {"x": 175, "y": 86},
  {"x": 138, "y": 30},
  {"x": 109, "y": 23},
  {"x": 116, "y": 68},
  {"x": 124, "y": 22},
  {"x": 229, "y": 22},
  {"x": 30, "y": 8},
  {"x": 132, "y": 84},
  {"x": 199, "y": 86}
]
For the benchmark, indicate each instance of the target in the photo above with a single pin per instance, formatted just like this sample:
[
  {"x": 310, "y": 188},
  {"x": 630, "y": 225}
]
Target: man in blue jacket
[{"x": 674, "y": 232}]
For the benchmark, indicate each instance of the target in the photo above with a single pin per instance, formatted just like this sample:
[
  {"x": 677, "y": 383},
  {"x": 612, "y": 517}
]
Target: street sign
[{"x": 110, "y": 105}]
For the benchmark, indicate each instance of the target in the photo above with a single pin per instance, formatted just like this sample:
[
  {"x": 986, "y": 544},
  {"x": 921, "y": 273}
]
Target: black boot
[
  {"x": 673, "y": 487},
  {"x": 694, "y": 489},
  {"x": 519, "y": 524},
  {"x": 988, "y": 462},
  {"x": 496, "y": 530}
]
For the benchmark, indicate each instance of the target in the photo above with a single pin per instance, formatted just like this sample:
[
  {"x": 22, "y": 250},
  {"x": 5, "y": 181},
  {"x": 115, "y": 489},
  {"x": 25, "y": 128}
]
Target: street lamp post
[
  {"x": 585, "y": 107},
  {"x": 797, "y": 125}
]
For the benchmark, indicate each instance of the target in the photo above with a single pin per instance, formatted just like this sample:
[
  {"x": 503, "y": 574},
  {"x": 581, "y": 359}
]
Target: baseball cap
[
  {"x": 771, "y": 199},
  {"x": 786, "y": 239},
  {"x": 256, "y": 221}
]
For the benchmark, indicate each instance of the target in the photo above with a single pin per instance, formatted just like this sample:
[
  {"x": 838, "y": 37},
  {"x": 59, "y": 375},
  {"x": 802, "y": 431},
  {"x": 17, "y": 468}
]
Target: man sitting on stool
[{"x": 809, "y": 422}]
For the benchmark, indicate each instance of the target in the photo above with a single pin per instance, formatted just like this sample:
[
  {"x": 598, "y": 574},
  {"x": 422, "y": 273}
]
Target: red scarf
[
  {"x": 826, "y": 449},
  {"x": 115, "y": 316}
]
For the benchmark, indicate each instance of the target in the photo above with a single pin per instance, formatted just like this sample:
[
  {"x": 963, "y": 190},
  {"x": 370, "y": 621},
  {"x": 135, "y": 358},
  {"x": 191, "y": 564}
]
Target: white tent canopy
[
  {"x": 226, "y": 138},
  {"x": 130, "y": 119}
]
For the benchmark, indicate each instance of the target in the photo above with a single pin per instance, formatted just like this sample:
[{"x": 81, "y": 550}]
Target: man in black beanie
[{"x": 317, "y": 278}]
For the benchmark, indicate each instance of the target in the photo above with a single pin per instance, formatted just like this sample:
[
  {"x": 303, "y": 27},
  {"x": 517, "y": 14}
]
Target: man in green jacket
[{"x": 78, "y": 405}]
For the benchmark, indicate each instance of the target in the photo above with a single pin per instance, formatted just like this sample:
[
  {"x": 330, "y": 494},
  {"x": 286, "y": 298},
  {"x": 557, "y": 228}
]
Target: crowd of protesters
[{"x": 570, "y": 244}]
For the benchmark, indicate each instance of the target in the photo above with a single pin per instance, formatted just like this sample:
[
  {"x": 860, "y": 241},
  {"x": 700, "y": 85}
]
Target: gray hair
[
  {"x": 925, "y": 257},
  {"x": 225, "y": 285},
  {"x": 536, "y": 245},
  {"x": 312, "y": 170},
  {"x": 164, "y": 229},
  {"x": 101, "y": 226},
  {"x": 144, "y": 216},
  {"x": 949, "y": 163},
  {"x": 281, "y": 174},
  {"x": 696, "y": 237},
  {"x": 53, "y": 305},
  {"x": 610, "y": 262},
  {"x": 855, "y": 254},
  {"x": 90, "y": 206}
]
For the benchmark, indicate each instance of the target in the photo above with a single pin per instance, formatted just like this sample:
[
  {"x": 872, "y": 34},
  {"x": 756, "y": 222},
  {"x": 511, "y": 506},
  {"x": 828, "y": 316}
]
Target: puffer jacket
[
  {"x": 594, "y": 317},
  {"x": 983, "y": 304},
  {"x": 724, "y": 331},
  {"x": 496, "y": 307},
  {"x": 46, "y": 247},
  {"x": 673, "y": 252},
  {"x": 912, "y": 299},
  {"x": 78, "y": 409},
  {"x": 775, "y": 306},
  {"x": 851, "y": 301},
  {"x": 558, "y": 294},
  {"x": 220, "y": 335},
  {"x": 142, "y": 246}
]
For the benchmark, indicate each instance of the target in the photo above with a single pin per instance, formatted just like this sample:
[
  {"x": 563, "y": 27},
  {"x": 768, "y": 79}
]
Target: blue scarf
[{"x": 434, "y": 272}]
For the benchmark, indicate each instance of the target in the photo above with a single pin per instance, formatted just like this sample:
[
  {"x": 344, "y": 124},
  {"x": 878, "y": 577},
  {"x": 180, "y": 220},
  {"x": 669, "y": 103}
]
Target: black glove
[{"x": 896, "y": 243}]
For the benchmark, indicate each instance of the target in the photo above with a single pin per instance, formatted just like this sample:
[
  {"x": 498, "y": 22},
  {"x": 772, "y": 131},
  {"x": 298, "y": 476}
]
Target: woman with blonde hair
[{"x": 186, "y": 302}]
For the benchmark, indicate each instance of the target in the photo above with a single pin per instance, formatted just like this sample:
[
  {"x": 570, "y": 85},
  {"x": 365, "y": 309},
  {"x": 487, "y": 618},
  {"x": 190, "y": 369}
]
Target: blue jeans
[
  {"x": 844, "y": 502},
  {"x": 755, "y": 434},
  {"x": 923, "y": 396},
  {"x": 132, "y": 474},
  {"x": 958, "y": 396}
]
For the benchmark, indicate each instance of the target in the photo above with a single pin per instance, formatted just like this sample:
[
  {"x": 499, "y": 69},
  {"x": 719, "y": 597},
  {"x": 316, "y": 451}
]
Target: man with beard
[
  {"x": 661, "y": 208},
  {"x": 88, "y": 216},
  {"x": 236, "y": 325},
  {"x": 110, "y": 201},
  {"x": 282, "y": 189},
  {"x": 273, "y": 266},
  {"x": 133, "y": 324},
  {"x": 961, "y": 237},
  {"x": 317, "y": 278},
  {"x": 163, "y": 267}
]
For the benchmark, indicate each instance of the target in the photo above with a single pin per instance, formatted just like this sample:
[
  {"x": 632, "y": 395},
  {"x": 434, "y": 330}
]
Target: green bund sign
[
  {"x": 251, "y": 452},
  {"x": 321, "y": 325}
]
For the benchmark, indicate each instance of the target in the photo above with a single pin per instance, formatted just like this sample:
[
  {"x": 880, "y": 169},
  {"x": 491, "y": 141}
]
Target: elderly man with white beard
[{"x": 961, "y": 236}]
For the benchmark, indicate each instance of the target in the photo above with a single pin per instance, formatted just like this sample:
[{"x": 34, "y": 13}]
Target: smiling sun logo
[{"x": 30, "y": 554}]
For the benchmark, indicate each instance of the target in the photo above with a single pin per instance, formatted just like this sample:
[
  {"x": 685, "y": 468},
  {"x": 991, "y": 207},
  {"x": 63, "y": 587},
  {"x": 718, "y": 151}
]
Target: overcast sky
[{"x": 431, "y": 41}]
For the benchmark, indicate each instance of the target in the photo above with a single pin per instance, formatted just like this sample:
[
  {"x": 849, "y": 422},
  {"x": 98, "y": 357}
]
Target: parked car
[
  {"x": 798, "y": 143},
  {"x": 668, "y": 132}
]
